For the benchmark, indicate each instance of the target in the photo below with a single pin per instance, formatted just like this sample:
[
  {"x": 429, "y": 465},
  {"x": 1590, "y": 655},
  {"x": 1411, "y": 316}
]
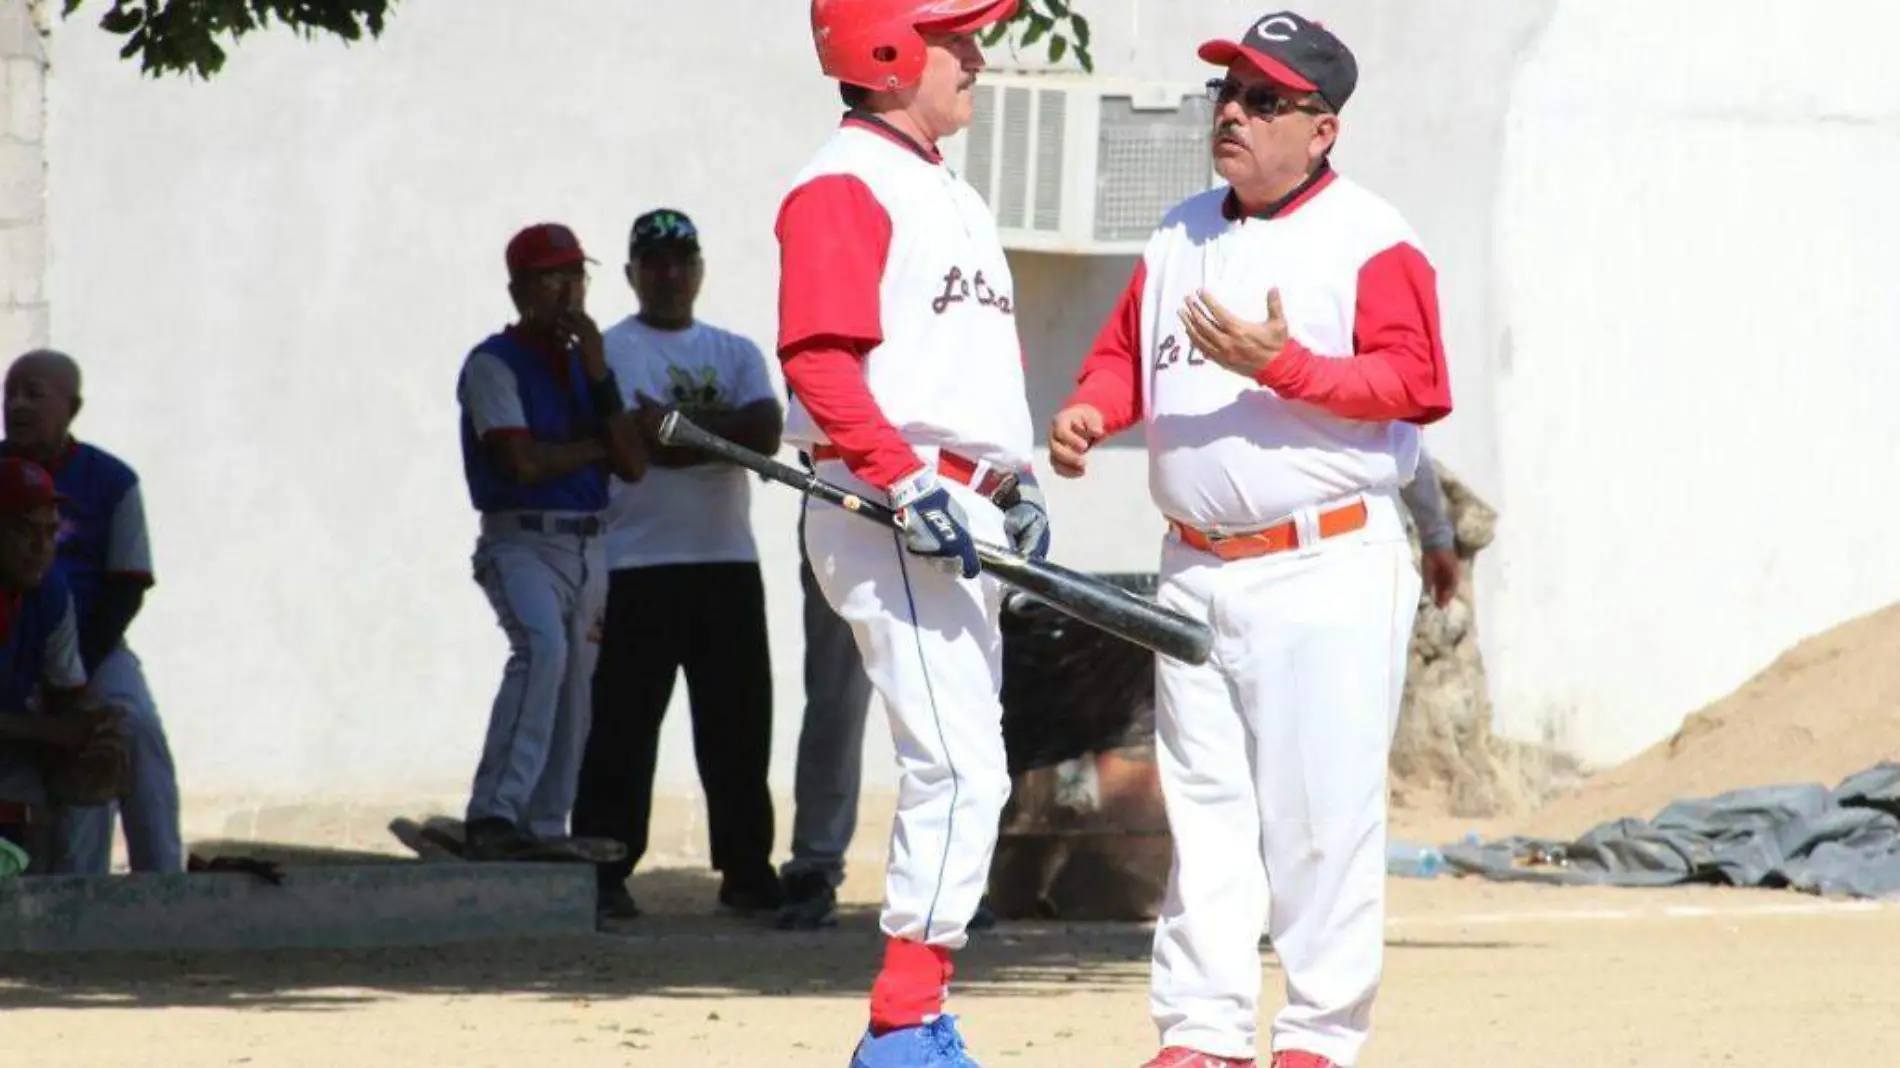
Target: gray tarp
[{"x": 1844, "y": 841}]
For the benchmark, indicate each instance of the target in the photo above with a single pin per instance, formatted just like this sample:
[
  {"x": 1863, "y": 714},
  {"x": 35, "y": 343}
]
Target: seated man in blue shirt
[
  {"x": 45, "y": 710},
  {"x": 105, "y": 557}
]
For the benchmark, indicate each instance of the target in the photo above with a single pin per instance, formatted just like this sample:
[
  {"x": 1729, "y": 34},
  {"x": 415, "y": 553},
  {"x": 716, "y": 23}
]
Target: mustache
[{"x": 1229, "y": 130}]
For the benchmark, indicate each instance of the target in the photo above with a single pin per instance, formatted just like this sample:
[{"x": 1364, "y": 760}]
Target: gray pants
[
  {"x": 548, "y": 592},
  {"x": 149, "y": 813},
  {"x": 831, "y": 737}
]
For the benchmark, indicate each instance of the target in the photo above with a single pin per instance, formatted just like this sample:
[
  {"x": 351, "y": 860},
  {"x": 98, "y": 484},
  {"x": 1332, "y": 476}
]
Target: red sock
[{"x": 910, "y": 989}]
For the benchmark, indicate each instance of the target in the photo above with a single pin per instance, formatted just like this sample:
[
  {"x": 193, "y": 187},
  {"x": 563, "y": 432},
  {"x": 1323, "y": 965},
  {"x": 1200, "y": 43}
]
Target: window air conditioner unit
[{"x": 1082, "y": 164}]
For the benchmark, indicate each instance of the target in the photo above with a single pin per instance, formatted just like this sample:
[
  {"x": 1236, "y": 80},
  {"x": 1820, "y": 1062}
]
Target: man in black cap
[
  {"x": 684, "y": 590},
  {"x": 1280, "y": 340}
]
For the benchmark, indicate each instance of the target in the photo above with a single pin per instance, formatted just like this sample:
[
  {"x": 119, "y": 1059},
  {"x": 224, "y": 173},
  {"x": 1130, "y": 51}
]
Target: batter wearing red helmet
[{"x": 897, "y": 331}]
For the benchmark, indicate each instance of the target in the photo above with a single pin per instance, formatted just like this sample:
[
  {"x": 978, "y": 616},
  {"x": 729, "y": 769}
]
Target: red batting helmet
[{"x": 877, "y": 44}]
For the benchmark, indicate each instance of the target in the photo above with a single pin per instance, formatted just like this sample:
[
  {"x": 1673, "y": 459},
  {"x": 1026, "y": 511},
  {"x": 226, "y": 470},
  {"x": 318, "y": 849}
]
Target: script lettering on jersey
[
  {"x": 1169, "y": 353},
  {"x": 957, "y": 289}
]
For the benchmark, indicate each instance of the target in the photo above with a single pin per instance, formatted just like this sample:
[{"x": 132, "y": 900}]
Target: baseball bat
[{"x": 1090, "y": 600}]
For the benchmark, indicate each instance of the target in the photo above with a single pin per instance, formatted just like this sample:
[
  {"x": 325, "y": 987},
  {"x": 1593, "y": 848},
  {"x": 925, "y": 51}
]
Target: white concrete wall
[
  {"x": 272, "y": 279},
  {"x": 23, "y": 312},
  {"x": 1695, "y": 356}
]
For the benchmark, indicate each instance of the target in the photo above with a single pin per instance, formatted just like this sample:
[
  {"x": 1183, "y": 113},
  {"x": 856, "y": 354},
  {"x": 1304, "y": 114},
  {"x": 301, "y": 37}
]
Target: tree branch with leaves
[
  {"x": 1053, "y": 21},
  {"x": 189, "y": 36}
]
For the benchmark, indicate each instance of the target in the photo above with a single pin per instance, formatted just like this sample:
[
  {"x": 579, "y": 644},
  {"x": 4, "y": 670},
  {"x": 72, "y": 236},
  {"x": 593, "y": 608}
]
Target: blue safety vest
[
  {"x": 557, "y": 409},
  {"x": 93, "y": 482}
]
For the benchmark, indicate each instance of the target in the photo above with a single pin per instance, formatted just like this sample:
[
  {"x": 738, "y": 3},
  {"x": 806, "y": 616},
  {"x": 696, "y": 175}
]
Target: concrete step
[{"x": 338, "y": 907}]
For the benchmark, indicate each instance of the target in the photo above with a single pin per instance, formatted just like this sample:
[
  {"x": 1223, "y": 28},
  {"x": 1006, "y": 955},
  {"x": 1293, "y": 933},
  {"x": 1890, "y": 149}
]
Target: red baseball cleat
[
  {"x": 1182, "y": 1057},
  {"x": 1293, "y": 1058}
]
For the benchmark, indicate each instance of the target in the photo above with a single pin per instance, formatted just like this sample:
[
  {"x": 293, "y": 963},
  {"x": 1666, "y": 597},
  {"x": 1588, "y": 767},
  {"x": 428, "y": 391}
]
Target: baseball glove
[{"x": 97, "y": 773}]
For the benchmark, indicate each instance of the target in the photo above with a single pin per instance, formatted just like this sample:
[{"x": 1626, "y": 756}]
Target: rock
[{"x": 1444, "y": 755}]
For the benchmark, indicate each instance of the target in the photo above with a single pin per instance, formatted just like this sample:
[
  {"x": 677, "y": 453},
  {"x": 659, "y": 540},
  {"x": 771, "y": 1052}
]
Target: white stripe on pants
[
  {"x": 1273, "y": 766},
  {"x": 932, "y": 647},
  {"x": 547, "y": 591}
]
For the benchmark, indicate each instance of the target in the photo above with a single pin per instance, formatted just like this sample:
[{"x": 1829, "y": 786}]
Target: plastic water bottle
[{"x": 1413, "y": 861}]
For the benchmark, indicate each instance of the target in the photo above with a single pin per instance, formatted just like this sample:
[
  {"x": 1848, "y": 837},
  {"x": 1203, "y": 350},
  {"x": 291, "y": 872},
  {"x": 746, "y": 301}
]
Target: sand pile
[{"x": 1827, "y": 708}]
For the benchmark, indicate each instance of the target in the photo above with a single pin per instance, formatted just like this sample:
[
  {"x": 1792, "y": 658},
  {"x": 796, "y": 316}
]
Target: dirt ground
[{"x": 1479, "y": 974}]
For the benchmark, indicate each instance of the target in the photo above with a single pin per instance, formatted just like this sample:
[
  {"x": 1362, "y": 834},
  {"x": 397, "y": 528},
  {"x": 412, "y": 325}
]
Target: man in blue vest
[
  {"x": 106, "y": 560},
  {"x": 543, "y": 424},
  {"x": 46, "y": 715}
]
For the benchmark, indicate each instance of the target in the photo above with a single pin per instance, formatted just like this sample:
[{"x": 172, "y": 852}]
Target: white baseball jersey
[
  {"x": 898, "y": 331},
  {"x": 947, "y": 365},
  {"x": 684, "y": 515},
  {"x": 1227, "y": 453},
  {"x": 1276, "y": 748}
]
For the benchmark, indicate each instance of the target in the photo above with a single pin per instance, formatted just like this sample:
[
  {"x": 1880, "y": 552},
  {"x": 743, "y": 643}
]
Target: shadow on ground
[{"x": 681, "y": 948}]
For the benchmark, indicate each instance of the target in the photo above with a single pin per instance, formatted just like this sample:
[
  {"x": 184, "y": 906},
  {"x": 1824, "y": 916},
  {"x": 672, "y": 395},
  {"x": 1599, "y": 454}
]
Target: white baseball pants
[
  {"x": 149, "y": 813},
  {"x": 548, "y": 592},
  {"x": 1273, "y": 766},
  {"x": 932, "y": 647}
]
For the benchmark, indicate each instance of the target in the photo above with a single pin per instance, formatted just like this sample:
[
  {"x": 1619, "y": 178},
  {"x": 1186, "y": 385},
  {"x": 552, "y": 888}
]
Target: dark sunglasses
[{"x": 1260, "y": 100}]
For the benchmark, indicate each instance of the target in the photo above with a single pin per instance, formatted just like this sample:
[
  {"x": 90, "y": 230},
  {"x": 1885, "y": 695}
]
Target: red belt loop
[{"x": 951, "y": 466}]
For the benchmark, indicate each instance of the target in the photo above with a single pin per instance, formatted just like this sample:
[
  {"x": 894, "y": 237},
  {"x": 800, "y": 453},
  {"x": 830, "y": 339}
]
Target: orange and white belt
[{"x": 1277, "y": 538}]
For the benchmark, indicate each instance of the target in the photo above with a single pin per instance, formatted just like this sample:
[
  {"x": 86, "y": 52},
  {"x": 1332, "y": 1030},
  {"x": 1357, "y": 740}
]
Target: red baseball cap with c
[
  {"x": 544, "y": 246},
  {"x": 1293, "y": 51},
  {"x": 25, "y": 486}
]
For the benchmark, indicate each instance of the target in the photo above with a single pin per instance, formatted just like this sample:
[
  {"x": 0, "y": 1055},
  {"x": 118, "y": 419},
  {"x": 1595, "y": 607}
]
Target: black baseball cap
[
  {"x": 662, "y": 226},
  {"x": 1293, "y": 51}
]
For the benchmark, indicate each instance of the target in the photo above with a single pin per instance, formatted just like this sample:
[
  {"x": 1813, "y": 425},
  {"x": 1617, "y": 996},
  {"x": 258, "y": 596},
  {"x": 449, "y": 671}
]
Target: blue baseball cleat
[{"x": 934, "y": 1045}]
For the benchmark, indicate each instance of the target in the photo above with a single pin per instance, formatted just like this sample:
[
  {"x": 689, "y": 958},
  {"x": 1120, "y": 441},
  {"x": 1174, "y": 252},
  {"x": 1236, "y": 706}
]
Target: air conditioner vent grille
[
  {"x": 1082, "y": 166},
  {"x": 979, "y": 162},
  {"x": 1012, "y": 200},
  {"x": 1149, "y": 161},
  {"x": 1051, "y": 145}
]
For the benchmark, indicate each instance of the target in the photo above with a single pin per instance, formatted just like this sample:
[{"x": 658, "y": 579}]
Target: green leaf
[
  {"x": 120, "y": 20},
  {"x": 1038, "y": 25},
  {"x": 1082, "y": 56},
  {"x": 1059, "y": 8},
  {"x": 1057, "y": 46},
  {"x": 187, "y": 36},
  {"x": 1080, "y": 27},
  {"x": 995, "y": 33}
]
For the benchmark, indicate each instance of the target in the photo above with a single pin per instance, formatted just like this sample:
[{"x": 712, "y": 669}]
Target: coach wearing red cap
[
  {"x": 542, "y": 425},
  {"x": 1279, "y": 343}
]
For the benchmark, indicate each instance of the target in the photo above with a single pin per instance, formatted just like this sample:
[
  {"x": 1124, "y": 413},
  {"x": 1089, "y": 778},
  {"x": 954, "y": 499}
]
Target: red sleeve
[
  {"x": 1110, "y": 379},
  {"x": 827, "y": 373},
  {"x": 1397, "y": 367},
  {"x": 834, "y": 238}
]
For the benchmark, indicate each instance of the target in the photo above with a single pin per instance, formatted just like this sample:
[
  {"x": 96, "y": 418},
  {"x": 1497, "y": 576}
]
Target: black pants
[{"x": 708, "y": 619}]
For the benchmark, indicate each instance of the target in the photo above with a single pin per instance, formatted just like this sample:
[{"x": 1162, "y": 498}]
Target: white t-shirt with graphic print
[{"x": 684, "y": 515}]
